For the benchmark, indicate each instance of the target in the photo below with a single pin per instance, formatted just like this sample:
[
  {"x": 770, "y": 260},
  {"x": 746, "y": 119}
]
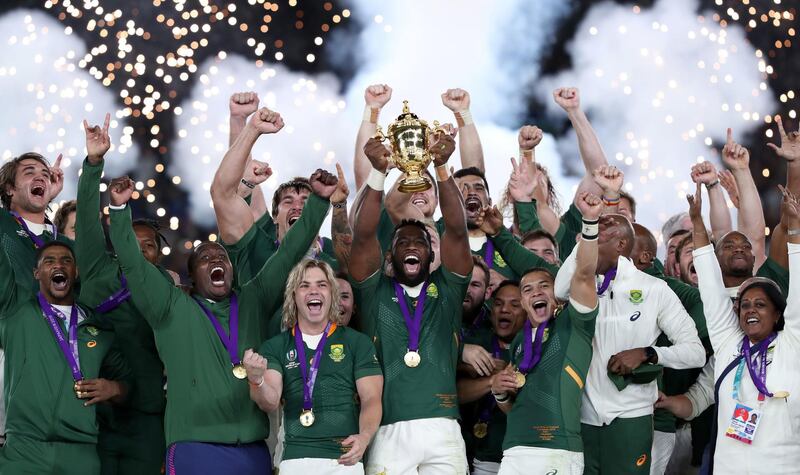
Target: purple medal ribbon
[
  {"x": 309, "y": 374},
  {"x": 760, "y": 379},
  {"x": 489, "y": 402},
  {"x": 37, "y": 241},
  {"x": 412, "y": 324},
  {"x": 231, "y": 342},
  {"x": 531, "y": 358},
  {"x": 116, "y": 299},
  {"x": 488, "y": 254},
  {"x": 607, "y": 278},
  {"x": 68, "y": 348}
]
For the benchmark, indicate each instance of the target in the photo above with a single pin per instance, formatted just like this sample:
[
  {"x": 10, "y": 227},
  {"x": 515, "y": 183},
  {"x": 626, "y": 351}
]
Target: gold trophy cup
[{"x": 409, "y": 137}]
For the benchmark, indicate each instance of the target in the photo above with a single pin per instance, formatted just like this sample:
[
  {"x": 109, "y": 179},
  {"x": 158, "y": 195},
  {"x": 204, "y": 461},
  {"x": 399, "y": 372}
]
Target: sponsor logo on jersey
[
  {"x": 337, "y": 353},
  {"x": 91, "y": 344},
  {"x": 22, "y": 233},
  {"x": 636, "y": 296},
  {"x": 641, "y": 460},
  {"x": 636, "y": 316}
]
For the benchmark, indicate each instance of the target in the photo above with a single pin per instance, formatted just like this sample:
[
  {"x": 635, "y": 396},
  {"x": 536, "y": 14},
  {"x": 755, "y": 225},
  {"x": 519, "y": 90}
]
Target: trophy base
[{"x": 415, "y": 185}]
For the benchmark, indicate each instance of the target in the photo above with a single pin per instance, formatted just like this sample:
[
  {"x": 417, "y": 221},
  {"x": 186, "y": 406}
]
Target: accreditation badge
[{"x": 744, "y": 422}]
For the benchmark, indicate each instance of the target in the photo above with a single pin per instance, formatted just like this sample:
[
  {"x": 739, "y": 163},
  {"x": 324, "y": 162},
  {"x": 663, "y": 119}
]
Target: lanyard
[
  {"x": 488, "y": 403},
  {"x": 757, "y": 374},
  {"x": 413, "y": 324},
  {"x": 607, "y": 278},
  {"x": 488, "y": 254},
  {"x": 69, "y": 347},
  {"x": 36, "y": 240},
  {"x": 532, "y": 351},
  {"x": 309, "y": 374},
  {"x": 231, "y": 342},
  {"x": 116, "y": 299}
]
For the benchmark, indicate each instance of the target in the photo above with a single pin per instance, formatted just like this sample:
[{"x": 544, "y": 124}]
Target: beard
[{"x": 400, "y": 272}]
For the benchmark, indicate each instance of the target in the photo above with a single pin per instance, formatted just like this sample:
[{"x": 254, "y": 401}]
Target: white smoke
[
  {"x": 45, "y": 96},
  {"x": 661, "y": 87}
]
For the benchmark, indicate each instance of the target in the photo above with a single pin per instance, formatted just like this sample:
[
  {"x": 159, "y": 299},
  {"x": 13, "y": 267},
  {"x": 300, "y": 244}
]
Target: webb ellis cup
[{"x": 409, "y": 137}]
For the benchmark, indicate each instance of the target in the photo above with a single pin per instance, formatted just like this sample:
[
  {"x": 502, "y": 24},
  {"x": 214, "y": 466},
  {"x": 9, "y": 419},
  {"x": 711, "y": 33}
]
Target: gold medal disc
[
  {"x": 781, "y": 394},
  {"x": 307, "y": 418},
  {"x": 520, "y": 377},
  {"x": 77, "y": 391},
  {"x": 480, "y": 429},
  {"x": 239, "y": 372},
  {"x": 412, "y": 359}
]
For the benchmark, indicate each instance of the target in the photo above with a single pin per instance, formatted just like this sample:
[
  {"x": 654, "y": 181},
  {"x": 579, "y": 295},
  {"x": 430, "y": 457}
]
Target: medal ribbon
[
  {"x": 116, "y": 299},
  {"x": 489, "y": 402},
  {"x": 309, "y": 374},
  {"x": 488, "y": 253},
  {"x": 231, "y": 342},
  {"x": 531, "y": 358},
  {"x": 759, "y": 378},
  {"x": 37, "y": 241},
  {"x": 68, "y": 348},
  {"x": 607, "y": 278},
  {"x": 412, "y": 324}
]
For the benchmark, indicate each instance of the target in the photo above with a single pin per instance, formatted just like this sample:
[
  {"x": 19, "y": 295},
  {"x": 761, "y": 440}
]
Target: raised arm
[
  {"x": 234, "y": 217},
  {"x": 706, "y": 173},
  {"x": 582, "y": 285},
  {"x": 792, "y": 217},
  {"x": 528, "y": 138},
  {"x": 589, "y": 146},
  {"x": 151, "y": 293},
  {"x": 365, "y": 227},
  {"x": 341, "y": 232},
  {"x": 609, "y": 179},
  {"x": 789, "y": 150},
  {"x": 90, "y": 242},
  {"x": 266, "y": 385},
  {"x": 375, "y": 97},
  {"x": 751, "y": 215},
  {"x": 717, "y": 305},
  {"x": 455, "y": 245},
  {"x": 469, "y": 143}
]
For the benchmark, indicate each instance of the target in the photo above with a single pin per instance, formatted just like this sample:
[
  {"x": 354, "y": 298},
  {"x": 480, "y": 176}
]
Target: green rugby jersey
[
  {"x": 547, "y": 409},
  {"x": 348, "y": 356},
  {"x": 489, "y": 448},
  {"x": 429, "y": 390},
  {"x": 772, "y": 270},
  {"x": 205, "y": 402},
  {"x": 248, "y": 261}
]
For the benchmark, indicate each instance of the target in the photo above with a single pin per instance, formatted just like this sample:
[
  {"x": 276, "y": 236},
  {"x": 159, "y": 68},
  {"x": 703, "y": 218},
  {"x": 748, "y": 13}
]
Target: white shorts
[
  {"x": 425, "y": 446},
  {"x": 314, "y": 466},
  {"x": 663, "y": 444},
  {"x": 484, "y": 468},
  {"x": 538, "y": 461}
]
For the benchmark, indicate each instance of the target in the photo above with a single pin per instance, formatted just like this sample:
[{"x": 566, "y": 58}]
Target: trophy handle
[
  {"x": 379, "y": 133},
  {"x": 438, "y": 128}
]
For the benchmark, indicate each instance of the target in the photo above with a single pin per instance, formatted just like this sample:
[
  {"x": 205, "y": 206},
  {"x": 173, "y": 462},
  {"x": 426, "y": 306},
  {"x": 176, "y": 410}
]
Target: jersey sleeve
[
  {"x": 366, "y": 360},
  {"x": 686, "y": 350},
  {"x": 527, "y": 217},
  {"x": 721, "y": 320},
  {"x": 364, "y": 294},
  {"x": 519, "y": 258},
  {"x": 570, "y": 226},
  {"x": 90, "y": 242},
  {"x": 251, "y": 252},
  {"x": 582, "y": 317},
  {"x": 772, "y": 270},
  {"x": 792, "y": 321}
]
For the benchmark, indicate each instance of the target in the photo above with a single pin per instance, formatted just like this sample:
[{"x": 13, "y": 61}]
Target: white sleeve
[
  {"x": 686, "y": 351},
  {"x": 701, "y": 393},
  {"x": 565, "y": 273},
  {"x": 792, "y": 327},
  {"x": 717, "y": 306}
]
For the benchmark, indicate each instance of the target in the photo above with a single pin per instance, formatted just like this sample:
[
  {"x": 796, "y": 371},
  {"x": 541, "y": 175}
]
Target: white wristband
[
  {"x": 117, "y": 208},
  {"x": 371, "y": 114},
  {"x": 590, "y": 230},
  {"x": 463, "y": 117},
  {"x": 376, "y": 179}
]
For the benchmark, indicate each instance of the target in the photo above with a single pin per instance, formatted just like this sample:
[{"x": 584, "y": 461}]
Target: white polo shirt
[{"x": 634, "y": 310}]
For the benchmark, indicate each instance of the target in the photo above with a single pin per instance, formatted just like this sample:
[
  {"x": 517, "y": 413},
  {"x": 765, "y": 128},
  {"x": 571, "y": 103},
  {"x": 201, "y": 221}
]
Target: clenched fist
[{"x": 529, "y": 137}]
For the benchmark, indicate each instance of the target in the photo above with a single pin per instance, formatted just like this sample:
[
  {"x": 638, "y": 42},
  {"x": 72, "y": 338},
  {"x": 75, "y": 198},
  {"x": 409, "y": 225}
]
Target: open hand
[
  {"x": 97, "y": 390},
  {"x": 789, "y": 148},
  {"x": 490, "y": 220},
  {"x": 358, "y": 444},
  {"x": 626, "y": 361},
  {"x": 728, "y": 182},
  {"x": 522, "y": 183}
]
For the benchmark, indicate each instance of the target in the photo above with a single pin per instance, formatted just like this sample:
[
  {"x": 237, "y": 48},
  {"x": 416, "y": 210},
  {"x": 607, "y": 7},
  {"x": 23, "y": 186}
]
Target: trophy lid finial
[{"x": 406, "y": 110}]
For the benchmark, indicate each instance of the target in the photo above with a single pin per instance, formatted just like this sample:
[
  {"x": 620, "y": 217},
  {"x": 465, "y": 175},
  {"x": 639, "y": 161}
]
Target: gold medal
[
  {"x": 77, "y": 390},
  {"x": 412, "y": 359},
  {"x": 781, "y": 394},
  {"x": 520, "y": 377},
  {"x": 239, "y": 372},
  {"x": 480, "y": 429},
  {"x": 307, "y": 418}
]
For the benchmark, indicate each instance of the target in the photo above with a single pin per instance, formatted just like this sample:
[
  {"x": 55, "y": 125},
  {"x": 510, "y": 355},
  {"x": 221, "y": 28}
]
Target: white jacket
[
  {"x": 776, "y": 446},
  {"x": 625, "y": 322}
]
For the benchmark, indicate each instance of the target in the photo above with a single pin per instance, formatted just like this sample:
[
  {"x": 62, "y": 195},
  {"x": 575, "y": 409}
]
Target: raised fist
[
  {"x": 734, "y": 155},
  {"x": 704, "y": 172},
  {"x": 441, "y": 147},
  {"x": 120, "y": 190},
  {"x": 323, "y": 183},
  {"x": 266, "y": 121},
  {"x": 529, "y": 137},
  {"x": 609, "y": 178},
  {"x": 378, "y": 154},
  {"x": 257, "y": 172},
  {"x": 568, "y": 98},
  {"x": 255, "y": 365},
  {"x": 377, "y": 95},
  {"x": 456, "y": 100},
  {"x": 242, "y": 104},
  {"x": 589, "y": 205}
]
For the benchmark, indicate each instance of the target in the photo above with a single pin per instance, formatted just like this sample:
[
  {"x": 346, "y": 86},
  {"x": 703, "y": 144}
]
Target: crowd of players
[{"x": 404, "y": 343}]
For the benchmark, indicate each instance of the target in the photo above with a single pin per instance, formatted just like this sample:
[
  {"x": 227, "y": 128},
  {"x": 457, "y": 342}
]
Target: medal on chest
[{"x": 412, "y": 358}]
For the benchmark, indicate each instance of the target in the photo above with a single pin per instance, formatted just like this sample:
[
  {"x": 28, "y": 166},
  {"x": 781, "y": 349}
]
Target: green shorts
[{"x": 622, "y": 447}]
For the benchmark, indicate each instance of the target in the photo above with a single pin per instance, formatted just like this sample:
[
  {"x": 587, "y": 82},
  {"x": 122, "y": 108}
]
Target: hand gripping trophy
[{"x": 408, "y": 138}]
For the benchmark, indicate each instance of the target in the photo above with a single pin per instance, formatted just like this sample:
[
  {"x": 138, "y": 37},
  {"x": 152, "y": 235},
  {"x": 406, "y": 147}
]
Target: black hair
[
  {"x": 413, "y": 222},
  {"x": 624, "y": 194},
  {"x": 539, "y": 234},
  {"x": 192, "y": 261},
  {"x": 539, "y": 269},
  {"x": 50, "y": 244},
  {"x": 296, "y": 184},
  {"x": 505, "y": 283},
  {"x": 152, "y": 224},
  {"x": 472, "y": 171},
  {"x": 773, "y": 292},
  {"x": 60, "y": 219}
]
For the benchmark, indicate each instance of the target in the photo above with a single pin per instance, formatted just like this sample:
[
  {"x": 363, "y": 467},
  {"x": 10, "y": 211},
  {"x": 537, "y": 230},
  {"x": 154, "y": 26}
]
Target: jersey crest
[
  {"x": 636, "y": 296},
  {"x": 498, "y": 260},
  {"x": 433, "y": 291},
  {"x": 337, "y": 353}
]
